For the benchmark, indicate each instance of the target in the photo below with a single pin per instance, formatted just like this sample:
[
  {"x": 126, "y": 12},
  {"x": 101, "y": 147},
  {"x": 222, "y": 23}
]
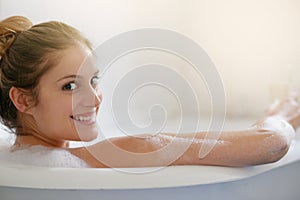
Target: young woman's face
[{"x": 68, "y": 98}]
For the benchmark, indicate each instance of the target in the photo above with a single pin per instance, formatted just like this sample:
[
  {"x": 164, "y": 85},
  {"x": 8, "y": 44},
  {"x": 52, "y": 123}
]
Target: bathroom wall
[{"x": 254, "y": 44}]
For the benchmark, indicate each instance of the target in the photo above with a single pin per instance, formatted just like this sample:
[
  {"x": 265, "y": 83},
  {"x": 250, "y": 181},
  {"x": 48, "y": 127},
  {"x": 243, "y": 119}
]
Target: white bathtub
[{"x": 280, "y": 180}]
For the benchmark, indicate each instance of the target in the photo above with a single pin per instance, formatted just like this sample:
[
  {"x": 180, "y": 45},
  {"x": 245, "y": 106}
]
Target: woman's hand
[{"x": 288, "y": 109}]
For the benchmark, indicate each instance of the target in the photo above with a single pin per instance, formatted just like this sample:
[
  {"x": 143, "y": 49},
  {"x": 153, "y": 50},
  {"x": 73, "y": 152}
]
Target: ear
[{"x": 20, "y": 100}]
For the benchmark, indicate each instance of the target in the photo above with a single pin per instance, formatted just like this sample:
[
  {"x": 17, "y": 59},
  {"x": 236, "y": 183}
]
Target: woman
[{"x": 39, "y": 79}]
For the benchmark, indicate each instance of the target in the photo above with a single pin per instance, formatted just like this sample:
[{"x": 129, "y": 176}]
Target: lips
[{"x": 86, "y": 118}]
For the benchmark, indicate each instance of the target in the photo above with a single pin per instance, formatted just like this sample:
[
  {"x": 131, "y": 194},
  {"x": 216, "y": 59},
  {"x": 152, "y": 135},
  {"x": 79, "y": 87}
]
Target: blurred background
[{"x": 254, "y": 44}]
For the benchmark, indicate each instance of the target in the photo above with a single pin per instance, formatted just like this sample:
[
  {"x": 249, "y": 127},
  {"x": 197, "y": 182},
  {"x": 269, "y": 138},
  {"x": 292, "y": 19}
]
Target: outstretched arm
[{"x": 266, "y": 141}]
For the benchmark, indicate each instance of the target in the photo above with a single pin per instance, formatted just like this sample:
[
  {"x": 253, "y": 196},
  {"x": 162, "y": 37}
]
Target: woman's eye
[
  {"x": 95, "y": 81},
  {"x": 70, "y": 86}
]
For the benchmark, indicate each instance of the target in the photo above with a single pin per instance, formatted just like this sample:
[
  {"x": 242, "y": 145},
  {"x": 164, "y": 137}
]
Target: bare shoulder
[
  {"x": 85, "y": 155},
  {"x": 112, "y": 151}
]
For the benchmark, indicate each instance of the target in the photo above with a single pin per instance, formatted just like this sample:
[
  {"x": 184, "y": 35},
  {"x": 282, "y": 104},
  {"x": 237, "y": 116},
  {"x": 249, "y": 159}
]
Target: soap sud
[
  {"x": 42, "y": 156},
  {"x": 6, "y": 139},
  {"x": 280, "y": 126},
  {"x": 36, "y": 155},
  {"x": 193, "y": 140}
]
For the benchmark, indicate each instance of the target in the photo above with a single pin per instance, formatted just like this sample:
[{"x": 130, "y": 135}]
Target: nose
[
  {"x": 98, "y": 98},
  {"x": 91, "y": 97}
]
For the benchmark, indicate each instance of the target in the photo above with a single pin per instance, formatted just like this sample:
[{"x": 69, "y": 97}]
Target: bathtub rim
[
  {"x": 63, "y": 178},
  {"x": 26, "y": 176}
]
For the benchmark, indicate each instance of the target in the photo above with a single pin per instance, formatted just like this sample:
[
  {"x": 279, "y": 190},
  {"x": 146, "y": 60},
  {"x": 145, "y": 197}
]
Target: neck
[
  {"x": 31, "y": 140},
  {"x": 29, "y": 135}
]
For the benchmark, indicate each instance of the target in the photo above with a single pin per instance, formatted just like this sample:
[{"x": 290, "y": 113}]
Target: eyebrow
[
  {"x": 74, "y": 76},
  {"x": 69, "y": 76}
]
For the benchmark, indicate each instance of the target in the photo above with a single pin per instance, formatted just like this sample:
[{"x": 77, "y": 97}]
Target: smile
[{"x": 87, "y": 119}]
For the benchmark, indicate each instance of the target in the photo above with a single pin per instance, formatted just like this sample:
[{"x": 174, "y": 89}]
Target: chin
[
  {"x": 91, "y": 135},
  {"x": 86, "y": 133},
  {"x": 87, "y": 139}
]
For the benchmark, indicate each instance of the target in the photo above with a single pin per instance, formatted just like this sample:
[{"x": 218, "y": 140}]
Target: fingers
[
  {"x": 284, "y": 107},
  {"x": 273, "y": 107},
  {"x": 294, "y": 96}
]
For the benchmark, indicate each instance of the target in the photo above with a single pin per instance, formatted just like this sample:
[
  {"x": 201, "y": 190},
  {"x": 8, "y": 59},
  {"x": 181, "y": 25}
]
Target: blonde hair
[{"x": 27, "y": 52}]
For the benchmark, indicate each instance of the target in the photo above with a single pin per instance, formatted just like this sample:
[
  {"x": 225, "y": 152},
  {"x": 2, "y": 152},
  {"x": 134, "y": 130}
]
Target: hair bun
[{"x": 9, "y": 28}]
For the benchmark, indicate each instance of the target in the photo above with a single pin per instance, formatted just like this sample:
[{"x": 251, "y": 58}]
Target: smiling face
[{"x": 68, "y": 99}]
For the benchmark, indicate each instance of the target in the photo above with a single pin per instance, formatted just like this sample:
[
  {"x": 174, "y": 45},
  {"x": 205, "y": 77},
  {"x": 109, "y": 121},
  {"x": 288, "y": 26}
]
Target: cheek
[
  {"x": 52, "y": 113},
  {"x": 57, "y": 106}
]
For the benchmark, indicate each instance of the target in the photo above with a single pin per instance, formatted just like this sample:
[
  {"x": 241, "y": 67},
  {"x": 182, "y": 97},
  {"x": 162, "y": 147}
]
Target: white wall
[{"x": 255, "y": 44}]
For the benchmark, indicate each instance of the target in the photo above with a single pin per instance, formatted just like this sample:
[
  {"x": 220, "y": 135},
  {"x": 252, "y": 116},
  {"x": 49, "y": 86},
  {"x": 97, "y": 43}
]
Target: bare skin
[{"x": 233, "y": 148}]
